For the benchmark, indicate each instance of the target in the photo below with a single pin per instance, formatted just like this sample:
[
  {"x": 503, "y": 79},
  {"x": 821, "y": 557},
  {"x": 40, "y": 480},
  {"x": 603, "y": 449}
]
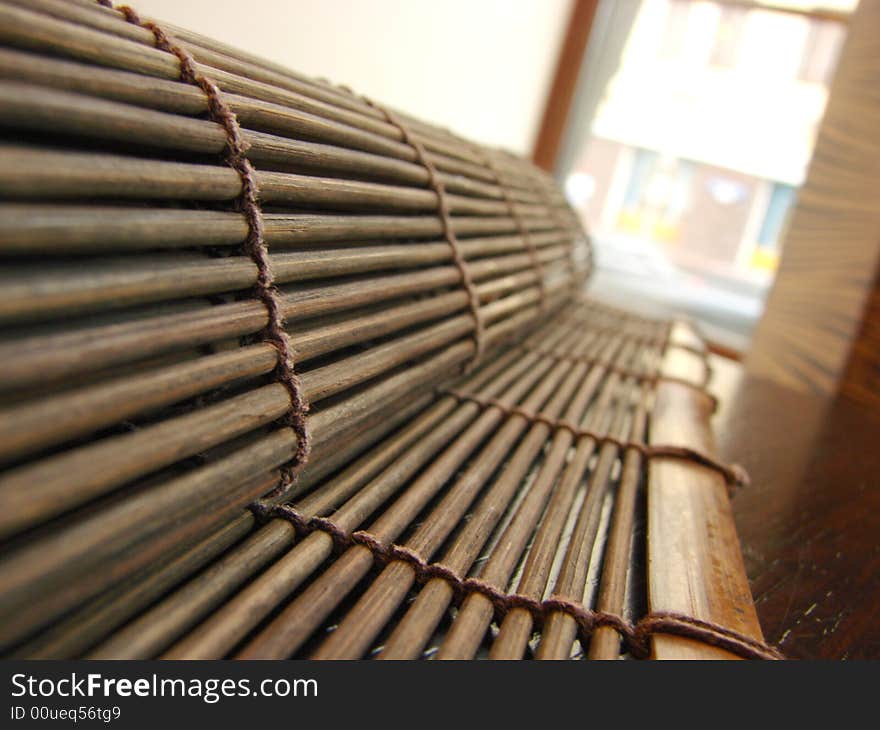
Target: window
[
  {"x": 639, "y": 178},
  {"x": 675, "y": 28},
  {"x": 705, "y": 108},
  {"x": 821, "y": 50},
  {"x": 781, "y": 201},
  {"x": 725, "y": 49}
]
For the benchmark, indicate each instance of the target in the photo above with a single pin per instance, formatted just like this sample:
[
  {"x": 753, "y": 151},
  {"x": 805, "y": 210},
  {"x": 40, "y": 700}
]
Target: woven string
[
  {"x": 702, "y": 353},
  {"x": 635, "y": 636},
  {"x": 734, "y": 475},
  {"x": 554, "y": 213},
  {"x": 448, "y": 230},
  {"x": 255, "y": 245},
  {"x": 528, "y": 244},
  {"x": 662, "y": 341},
  {"x": 647, "y": 340},
  {"x": 663, "y": 344},
  {"x": 576, "y": 227}
]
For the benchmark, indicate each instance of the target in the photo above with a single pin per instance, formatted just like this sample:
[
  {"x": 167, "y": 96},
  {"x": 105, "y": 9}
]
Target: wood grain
[
  {"x": 561, "y": 95},
  {"x": 831, "y": 252},
  {"x": 861, "y": 381},
  {"x": 694, "y": 561},
  {"x": 809, "y": 522}
]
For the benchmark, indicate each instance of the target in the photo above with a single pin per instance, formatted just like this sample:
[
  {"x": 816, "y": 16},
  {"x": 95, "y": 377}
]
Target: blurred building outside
[{"x": 697, "y": 147}]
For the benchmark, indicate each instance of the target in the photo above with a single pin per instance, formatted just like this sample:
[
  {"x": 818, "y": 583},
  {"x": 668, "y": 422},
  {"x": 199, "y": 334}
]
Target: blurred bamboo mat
[{"x": 487, "y": 470}]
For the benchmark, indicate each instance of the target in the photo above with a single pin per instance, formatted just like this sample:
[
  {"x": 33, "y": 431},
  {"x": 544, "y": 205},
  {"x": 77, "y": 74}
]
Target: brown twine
[
  {"x": 589, "y": 302},
  {"x": 661, "y": 343},
  {"x": 641, "y": 339},
  {"x": 255, "y": 245},
  {"x": 528, "y": 244},
  {"x": 554, "y": 212},
  {"x": 634, "y": 636},
  {"x": 448, "y": 231},
  {"x": 734, "y": 475},
  {"x": 581, "y": 228},
  {"x": 700, "y": 352}
]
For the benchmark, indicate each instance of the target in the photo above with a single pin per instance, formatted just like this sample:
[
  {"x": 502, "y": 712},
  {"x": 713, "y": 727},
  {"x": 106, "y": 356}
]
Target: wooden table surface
[{"x": 810, "y": 522}]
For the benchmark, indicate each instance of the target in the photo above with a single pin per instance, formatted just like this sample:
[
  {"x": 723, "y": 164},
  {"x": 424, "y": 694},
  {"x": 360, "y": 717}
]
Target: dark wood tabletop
[{"x": 810, "y": 521}]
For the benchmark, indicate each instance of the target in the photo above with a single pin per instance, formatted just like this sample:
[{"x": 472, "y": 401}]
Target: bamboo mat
[{"x": 194, "y": 242}]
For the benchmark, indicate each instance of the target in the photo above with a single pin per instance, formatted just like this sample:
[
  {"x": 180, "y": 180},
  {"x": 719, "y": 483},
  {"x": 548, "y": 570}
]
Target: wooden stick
[
  {"x": 71, "y": 352},
  {"x": 516, "y": 628},
  {"x": 359, "y": 628},
  {"x": 95, "y": 619},
  {"x": 605, "y": 642},
  {"x": 473, "y": 618},
  {"x": 34, "y": 107},
  {"x": 46, "y": 228},
  {"x": 69, "y": 175},
  {"x": 560, "y": 630},
  {"x": 291, "y": 627},
  {"x": 695, "y": 565},
  {"x": 226, "y": 627},
  {"x": 36, "y": 492},
  {"x": 67, "y": 557},
  {"x": 416, "y": 627},
  {"x": 59, "y": 566},
  {"x": 154, "y": 629},
  {"x": 30, "y": 30},
  {"x": 36, "y": 292}
]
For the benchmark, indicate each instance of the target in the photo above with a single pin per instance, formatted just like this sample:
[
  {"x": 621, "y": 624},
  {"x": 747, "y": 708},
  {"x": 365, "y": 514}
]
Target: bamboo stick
[
  {"x": 32, "y": 106},
  {"x": 42, "y": 32},
  {"x": 43, "y": 173},
  {"x": 94, "y": 619},
  {"x": 36, "y": 492},
  {"x": 560, "y": 630},
  {"x": 605, "y": 642},
  {"x": 50, "y": 228},
  {"x": 40, "y": 292},
  {"x": 516, "y": 628},
  {"x": 25, "y": 29},
  {"x": 285, "y": 633},
  {"x": 140, "y": 637},
  {"x": 226, "y": 627},
  {"x": 69, "y": 637},
  {"x": 684, "y": 554},
  {"x": 38, "y": 570},
  {"x": 361, "y": 625},
  {"x": 476, "y": 612},
  {"x": 73, "y": 351}
]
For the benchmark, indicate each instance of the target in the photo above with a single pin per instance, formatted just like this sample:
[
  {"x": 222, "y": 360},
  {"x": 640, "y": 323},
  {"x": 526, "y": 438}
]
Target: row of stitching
[
  {"x": 635, "y": 636},
  {"x": 445, "y": 216},
  {"x": 524, "y": 234},
  {"x": 255, "y": 245},
  {"x": 554, "y": 212},
  {"x": 661, "y": 342},
  {"x": 664, "y": 344},
  {"x": 734, "y": 475},
  {"x": 648, "y": 340}
]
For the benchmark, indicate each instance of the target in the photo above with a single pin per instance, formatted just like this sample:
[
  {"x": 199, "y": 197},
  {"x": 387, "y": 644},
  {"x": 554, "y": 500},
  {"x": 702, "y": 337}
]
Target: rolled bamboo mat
[{"x": 287, "y": 373}]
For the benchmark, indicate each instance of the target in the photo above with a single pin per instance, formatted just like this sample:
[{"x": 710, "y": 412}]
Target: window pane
[{"x": 701, "y": 139}]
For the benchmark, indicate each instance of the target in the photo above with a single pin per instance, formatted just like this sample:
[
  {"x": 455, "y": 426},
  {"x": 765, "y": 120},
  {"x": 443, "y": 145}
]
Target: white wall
[{"x": 480, "y": 67}]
